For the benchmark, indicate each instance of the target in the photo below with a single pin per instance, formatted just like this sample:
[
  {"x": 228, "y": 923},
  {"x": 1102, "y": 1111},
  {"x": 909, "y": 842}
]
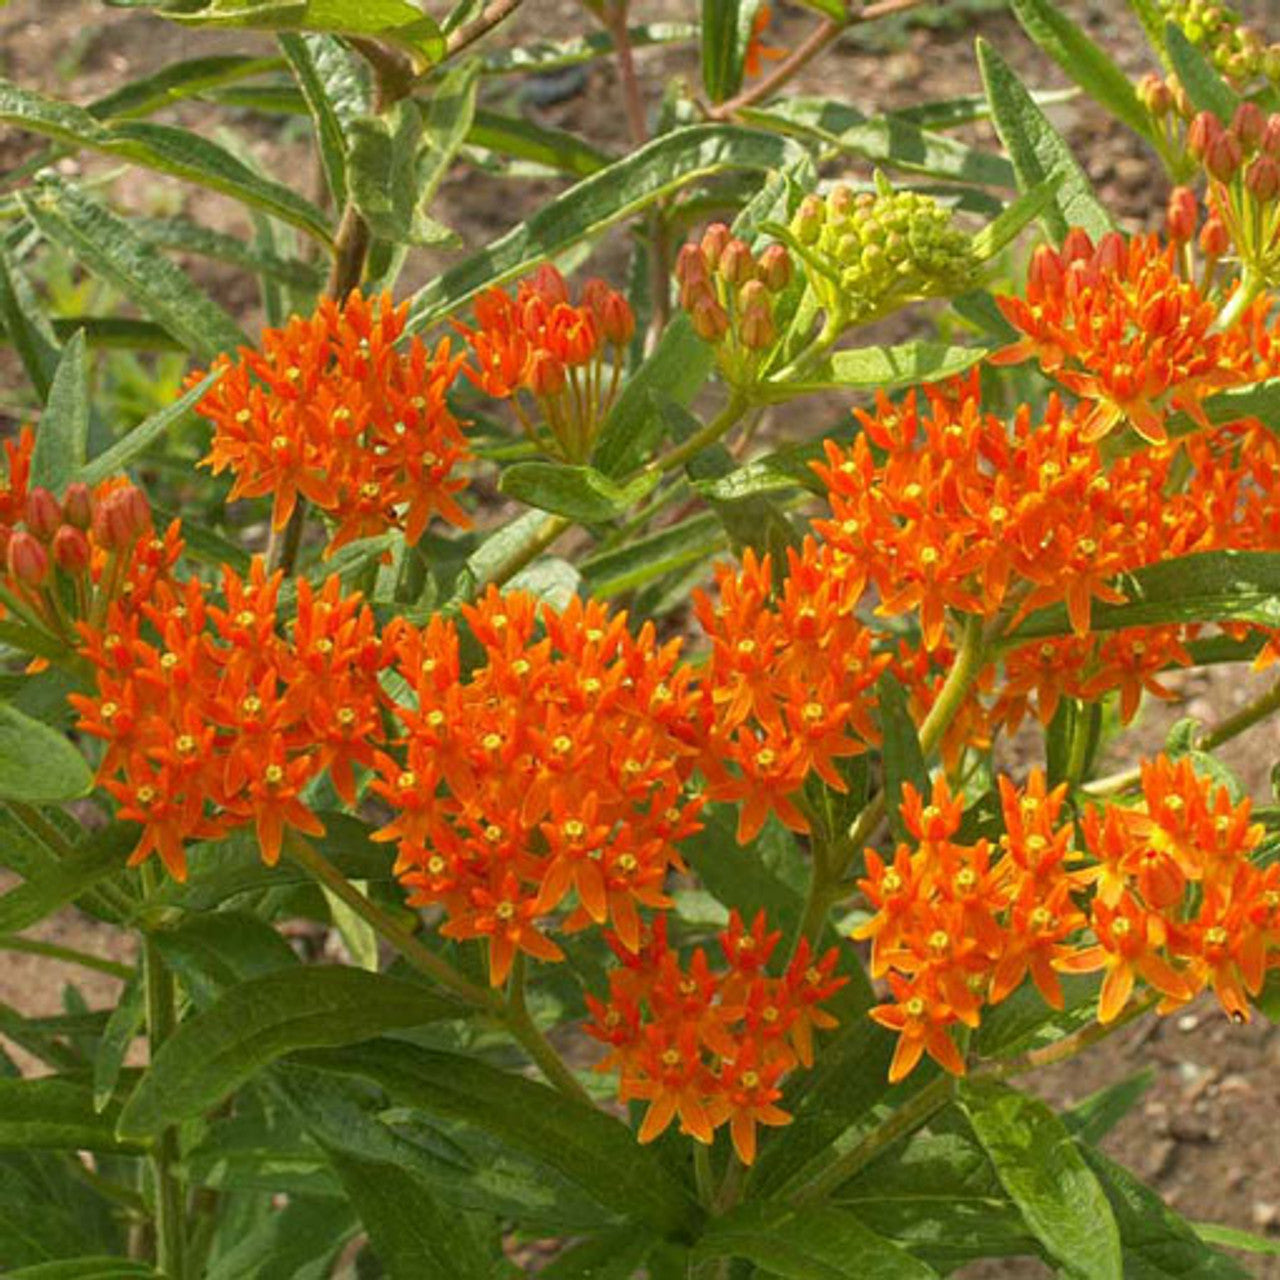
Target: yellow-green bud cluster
[
  {"x": 1236, "y": 50},
  {"x": 885, "y": 249}
]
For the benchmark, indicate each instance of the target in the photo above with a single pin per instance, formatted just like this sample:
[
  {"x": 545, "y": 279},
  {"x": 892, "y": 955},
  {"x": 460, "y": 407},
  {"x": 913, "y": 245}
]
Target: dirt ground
[{"x": 1207, "y": 1134}]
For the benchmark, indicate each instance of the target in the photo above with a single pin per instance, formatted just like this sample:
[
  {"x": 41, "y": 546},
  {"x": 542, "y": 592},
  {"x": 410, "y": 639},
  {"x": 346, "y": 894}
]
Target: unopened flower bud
[
  {"x": 1111, "y": 255},
  {"x": 841, "y": 201},
  {"x": 1045, "y": 272},
  {"x": 736, "y": 265},
  {"x": 77, "y": 505},
  {"x": 1183, "y": 107},
  {"x": 618, "y": 320},
  {"x": 43, "y": 513},
  {"x": 1248, "y": 125},
  {"x": 808, "y": 221},
  {"x": 715, "y": 239},
  {"x": 1205, "y": 128},
  {"x": 120, "y": 518},
  {"x": 71, "y": 551},
  {"x": 550, "y": 284},
  {"x": 1154, "y": 94},
  {"x": 1224, "y": 157},
  {"x": 1077, "y": 246},
  {"x": 691, "y": 265},
  {"x": 1263, "y": 178},
  {"x": 27, "y": 559},
  {"x": 710, "y": 322},
  {"x": 546, "y": 376},
  {"x": 1214, "y": 240},
  {"x": 753, "y": 296},
  {"x": 757, "y": 330},
  {"x": 775, "y": 267},
  {"x": 1271, "y": 138},
  {"x": 1182, "y": 214}
]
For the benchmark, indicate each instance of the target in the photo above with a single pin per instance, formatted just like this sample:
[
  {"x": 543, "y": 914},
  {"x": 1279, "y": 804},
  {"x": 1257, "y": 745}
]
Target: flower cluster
[
  {"x": 712, "y": 1046},
  {"x": 1237, "y": 50},
  {"x": 212, "y": 719},
  {"x": 1178, "y": 901},
  {"x": 548, "y": 784},
  {"x": 63, "y": 560},
  {"x": 541, "y": 343},
  {"x": 958, "y": 925},
  {"x": 1175, "y": 901},
  {"x": 731, "y": 296},
  {"x": 874, "y": 252},
  {"x": 1243, "y": 165},
  {"x": 790, "y": 683},
  {"x": 1117, "y": 325},
  {"x": 332, "y": 411}
]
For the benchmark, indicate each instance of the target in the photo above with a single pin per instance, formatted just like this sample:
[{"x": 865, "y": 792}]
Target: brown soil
[{"x": 1206, "y": 1133}]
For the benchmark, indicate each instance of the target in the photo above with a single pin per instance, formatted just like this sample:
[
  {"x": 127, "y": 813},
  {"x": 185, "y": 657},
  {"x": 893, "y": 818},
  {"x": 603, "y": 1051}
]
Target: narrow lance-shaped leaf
[
  {"x": 1062, "y": 39},
  {"x": 522, "y": 139},
  {"x": 329, "y": 135},
  {"x": 624, "y": 188},
  {"x": 1038, "y": 151},
  {"x": 26, "y": 326},
  {"x": 880, "y": 368},
  {"x": 259, "y": 1021},
  {"x": 64, "y": 424},
  {"x": 580, "y": 493},
  {"x": 109, "y": 247},
  {"x": 1207, "y": 90},
  {"x": 722, "y": 51},
  {"x": 58, "y": 1113}
]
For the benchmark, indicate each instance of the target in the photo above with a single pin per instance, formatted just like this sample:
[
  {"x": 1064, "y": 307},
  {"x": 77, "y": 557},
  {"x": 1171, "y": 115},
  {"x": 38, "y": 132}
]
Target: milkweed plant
[{"x": 616, "y": 765}]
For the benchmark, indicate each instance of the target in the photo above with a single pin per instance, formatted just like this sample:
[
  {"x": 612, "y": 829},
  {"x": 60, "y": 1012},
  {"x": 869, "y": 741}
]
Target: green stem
[
  {"x": 1246, "y": 291},
  {"x": 703, "y": 1175},
  {"x": 67, "y": 955},
  {"x": 511, "y": 1014},
  {"x": 719, "y": 426},
  {"x": 170, "y": 1207}
]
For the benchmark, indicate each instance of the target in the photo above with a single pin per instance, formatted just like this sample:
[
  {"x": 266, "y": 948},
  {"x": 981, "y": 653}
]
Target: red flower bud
[
  {"x": 1248, "y": 125},
  {"x": 619, "y": 321},
  {"x": 549, "y": 283},
  {"x": 737, "y": 266},
  {"x": 77, "y": 505},
  {"x": 1263, "y": 178},
  {"x": 1214, "y": 240},
  {"x": 27, "y": 559},
  {"x": 71, "y": 552},
  {"x": 1155, "y": 95},
  {"x": 1181, "y": 215},
  {"x": 546, "y": 375},
  {"x": 715, "y": 240},
  {"x": 775, "y": 267},
  {"x": 710, "y": 322},
  {"x": 1077, "y": 247},
  {"x": 691, "y": 265},
  {"x": 1271, "y": 138},
  {"x": 1204, "y": 129},
  {"x": 1183, "y": 107},
  {"x": 43, "y": 514},
  {"x": 120, "y": 518},
  {"x": 1224, "y": 157},
  {"x": 1111, "y": 253},
  {"x": 757, "y": 329},
  {"x": 1045, "y": 273}
]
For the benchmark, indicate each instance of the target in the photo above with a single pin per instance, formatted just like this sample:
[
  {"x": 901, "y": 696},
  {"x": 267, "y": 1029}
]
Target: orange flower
[
  {"x": 330, "y": 409},
  {"x": 711, "y": 1047},
  {"x": 757, "y": 52},
  {"x": 1117, "y": 325}
]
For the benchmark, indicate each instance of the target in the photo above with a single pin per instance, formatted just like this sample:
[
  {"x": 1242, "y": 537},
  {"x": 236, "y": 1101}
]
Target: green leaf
[
  {"x": 132, "y": 446},
  {"x": 262, "y": 1019},
  {"x": 450, "y": 110},
  {"x": 413, "y": 1235},
  {"x": 644, "y": 560},
  {"x": 1158, "y": 1244},
  {"x": 186, "y": 236},
  {"x": 383, "y": 174},
  {"x": 329, "y": 135},
  {"x": 524, "y": 140},
  {"x": 582, "y": 494},
  {"x": 1153, "y": 22},
  {"x": 1091, "y": 1119},
  {"x": 1063, "y": 40},
  {"x": 722, "y": 47},
  {"x": 177, "y": 81},
  {"x": 537, "y": 57},
  {"x": 123, "y": 1026},
  {"x": 1046, "y": 1176},
  {"x": 1038, "y": 151},
  {"x": 212, "y": 952},
  {"x": 109, "y": 247},
  {"x": 614, "y": 1256},
  {"x": 887, "y": 140},
  {"x": 807, "y": 1244},
  {"x": 297, "y": 1242},
  {"x": 871, "y": 368},
  {"x": 64, "y": 424},
  {"x": 1207, "y": 90},
  {"x": 1234, "y": 1238},
  {"x": 588, "y": 1146},
  {"x": 398, "y": 21},
  {"x": 1208, "y": 586},
  {"x": 1003, "y": 230},
  {"x": 58, "y": 1113},
  {"x": 50, "y": 887},
  {"x": 26, "y": 326},
  {"x": 624, "y": 188},
  {"x": 83, "y": 1269},
  {"x": 37, "y": 764},
  {"x": 161, "y": 147}
]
